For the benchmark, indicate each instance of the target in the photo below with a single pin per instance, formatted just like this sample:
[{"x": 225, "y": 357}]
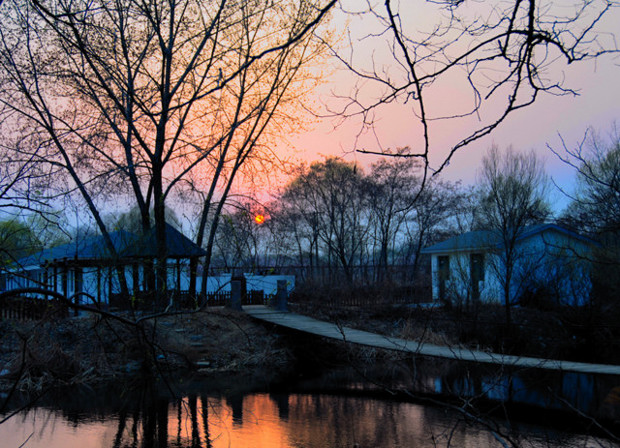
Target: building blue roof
[
  {"x": 475, "y": 240},
  {"x": 489, "y": 239}
]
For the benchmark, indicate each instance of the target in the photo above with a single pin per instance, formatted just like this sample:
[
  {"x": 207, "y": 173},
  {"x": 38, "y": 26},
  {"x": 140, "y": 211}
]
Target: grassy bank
[{"x": 36, "y": 355}]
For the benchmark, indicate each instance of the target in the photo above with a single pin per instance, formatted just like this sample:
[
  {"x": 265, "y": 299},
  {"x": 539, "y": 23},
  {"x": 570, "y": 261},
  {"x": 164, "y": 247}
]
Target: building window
[
  {"x": 443, "y": 267},
  {"x": 477, "y": 267}
]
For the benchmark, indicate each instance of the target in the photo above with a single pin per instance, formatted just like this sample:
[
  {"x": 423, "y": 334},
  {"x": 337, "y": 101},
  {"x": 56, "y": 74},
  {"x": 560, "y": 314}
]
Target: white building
[{"x": 549, "y": 261}]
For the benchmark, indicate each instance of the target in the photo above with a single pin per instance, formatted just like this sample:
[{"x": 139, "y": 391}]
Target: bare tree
[
  {"x": 147, "y": 95},
  {"x": 21, "y": 188},
  {"x": 243, "y": 238},
  {"x": 433, "y": 216},
  {"x": 331, "y": 198},
  {"x": 595, "y": 205},
  {"x": 394, "y": 186},
  {"x": 17, "y": 239},
  {"x": 494, "y": 57},
  {"x": 335, "y": 214},
  {"x": 513, "y": 195},
  {"x": 298, "y": 228}
]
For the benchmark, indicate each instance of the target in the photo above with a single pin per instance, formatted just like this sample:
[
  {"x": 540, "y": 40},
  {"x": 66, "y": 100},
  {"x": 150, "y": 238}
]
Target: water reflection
[
  {"x": 588, "y": 394},
  {"x": 276, "y": 420}
]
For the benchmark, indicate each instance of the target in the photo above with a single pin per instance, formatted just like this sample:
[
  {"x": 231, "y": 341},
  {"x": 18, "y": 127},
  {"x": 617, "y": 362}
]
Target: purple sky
[{"x": 598, "y": 105}]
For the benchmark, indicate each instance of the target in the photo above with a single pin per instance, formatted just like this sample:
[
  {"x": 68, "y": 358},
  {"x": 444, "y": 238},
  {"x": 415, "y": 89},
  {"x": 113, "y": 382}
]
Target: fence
[
  {"x": 252, "y": 297},
  {"x": 29, "y": 308},
  {"x": 366, "y": 297},
  {"x": 185, "y": 300},
  {"x": 359, "y": 275}
]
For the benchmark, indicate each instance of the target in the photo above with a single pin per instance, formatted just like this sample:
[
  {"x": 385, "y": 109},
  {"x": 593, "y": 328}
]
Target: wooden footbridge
[{"x": 330, "y": 330}]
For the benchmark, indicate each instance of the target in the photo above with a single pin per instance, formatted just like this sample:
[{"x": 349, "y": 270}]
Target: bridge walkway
[{"x": 330, "y": 330}]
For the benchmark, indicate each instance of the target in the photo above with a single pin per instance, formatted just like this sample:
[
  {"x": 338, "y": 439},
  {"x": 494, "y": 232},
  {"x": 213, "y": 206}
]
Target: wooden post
[
  {"x": 110, "y": 273},
  {"x": 64, "y": 280},
  {"x": 281, "y": 296},
  {"x": 235, "y": 295},
  {"x": 46, "y": 281},
  {"x": 98, "y": 271},
  {"x": 135, "y": 279}
]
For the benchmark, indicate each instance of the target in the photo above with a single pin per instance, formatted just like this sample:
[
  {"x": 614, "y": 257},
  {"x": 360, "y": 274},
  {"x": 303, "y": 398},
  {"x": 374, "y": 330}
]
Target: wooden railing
[{"x": 29, "y": 308}]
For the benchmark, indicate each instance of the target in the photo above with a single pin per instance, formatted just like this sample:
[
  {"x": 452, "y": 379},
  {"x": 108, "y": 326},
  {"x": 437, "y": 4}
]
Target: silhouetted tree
[
  {"x": 595, "y": 205},
  {"x": 513, "y": 195},
  {"x": 330, "y": 199},
  {"x": 147, "y": 96},
  {"x": 393, "y": 189},
  {"x": 494, "y": 58},
  {"x": 17, "y": 239}
]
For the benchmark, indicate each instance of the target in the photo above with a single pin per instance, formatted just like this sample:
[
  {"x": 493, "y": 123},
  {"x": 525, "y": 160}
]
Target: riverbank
[{"x": 91, "y": 349}]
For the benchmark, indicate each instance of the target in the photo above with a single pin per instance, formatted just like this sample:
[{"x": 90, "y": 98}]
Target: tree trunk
[{"x": 160, "y": 234}]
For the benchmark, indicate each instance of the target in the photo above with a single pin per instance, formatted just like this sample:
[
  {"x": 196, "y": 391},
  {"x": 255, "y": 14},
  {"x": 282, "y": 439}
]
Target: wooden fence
[
  {"x": 221, "y": 298},
  {"x": 29, "y": 308},
  {"x": 185, "y": 300},
  {"x": 361, "y": 297}
]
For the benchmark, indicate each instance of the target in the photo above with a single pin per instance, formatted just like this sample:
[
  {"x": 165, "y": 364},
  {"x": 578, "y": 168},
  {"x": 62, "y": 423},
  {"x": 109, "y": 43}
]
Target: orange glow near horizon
[{"x": 259, "y": 219}]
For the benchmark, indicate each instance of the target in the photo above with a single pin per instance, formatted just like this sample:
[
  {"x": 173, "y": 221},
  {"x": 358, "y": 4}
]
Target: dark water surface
[{"x": 336, "y": 409}]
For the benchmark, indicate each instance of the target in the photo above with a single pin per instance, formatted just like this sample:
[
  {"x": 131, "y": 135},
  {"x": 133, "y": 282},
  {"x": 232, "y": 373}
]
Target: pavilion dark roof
[
  {"x": 179, "y": 246},
  {"x": 127, "y": 245}
]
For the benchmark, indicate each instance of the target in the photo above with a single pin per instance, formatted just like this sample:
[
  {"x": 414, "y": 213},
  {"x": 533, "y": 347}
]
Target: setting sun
[{"x": 259, "y": 219}]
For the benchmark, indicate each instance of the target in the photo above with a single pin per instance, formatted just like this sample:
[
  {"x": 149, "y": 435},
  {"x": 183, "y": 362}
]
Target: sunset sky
[{"x": 598, "y": 105}]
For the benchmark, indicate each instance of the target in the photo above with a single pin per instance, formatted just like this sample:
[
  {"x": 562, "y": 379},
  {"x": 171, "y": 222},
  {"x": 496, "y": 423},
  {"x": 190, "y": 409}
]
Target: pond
[
  {"x": 336, "y": 409},
  {"x": 265, "y": 420}
]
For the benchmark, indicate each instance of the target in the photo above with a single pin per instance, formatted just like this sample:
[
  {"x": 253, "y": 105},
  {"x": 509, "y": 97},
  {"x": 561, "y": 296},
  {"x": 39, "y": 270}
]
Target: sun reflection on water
[{"x": 255, "y": 420}]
